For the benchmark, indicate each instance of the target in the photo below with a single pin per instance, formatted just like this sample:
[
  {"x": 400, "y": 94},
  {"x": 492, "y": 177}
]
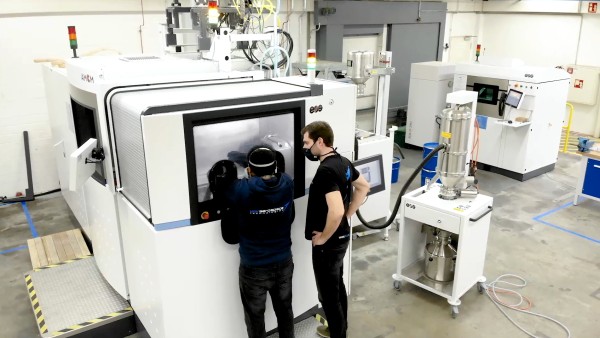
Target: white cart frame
[{"x": 469, "y": 218}]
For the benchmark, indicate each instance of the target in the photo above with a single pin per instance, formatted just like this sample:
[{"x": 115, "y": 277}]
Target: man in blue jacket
[{"x": 262, "y": 207}]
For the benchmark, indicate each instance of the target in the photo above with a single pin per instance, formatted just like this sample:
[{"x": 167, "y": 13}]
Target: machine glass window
[
  {"x": 233, "y": 139},
  {"x": 84, "y": 122},
  {"x": 486, "y": 93},
  {"x": 371, "y": 168},
  {"x": 513, "y": 98}
]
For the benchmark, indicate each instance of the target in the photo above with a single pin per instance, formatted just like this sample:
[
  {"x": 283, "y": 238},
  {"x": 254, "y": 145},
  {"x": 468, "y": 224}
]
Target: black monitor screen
[
  {"x": 371, "y": 168},
  {"x": 513, "y": 98},
  {"x": 486, "y": 93}
]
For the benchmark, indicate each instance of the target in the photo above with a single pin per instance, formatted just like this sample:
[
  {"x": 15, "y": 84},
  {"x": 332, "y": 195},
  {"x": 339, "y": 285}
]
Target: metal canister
[
  {"x": 440, "y": 257},
  {"x": 455, "y": 127},
  {"x": 358, "y": 63}
]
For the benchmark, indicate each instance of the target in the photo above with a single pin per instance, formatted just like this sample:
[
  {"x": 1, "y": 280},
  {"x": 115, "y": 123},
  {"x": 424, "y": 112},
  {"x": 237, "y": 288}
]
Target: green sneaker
[{"x": 323, "y": 331}]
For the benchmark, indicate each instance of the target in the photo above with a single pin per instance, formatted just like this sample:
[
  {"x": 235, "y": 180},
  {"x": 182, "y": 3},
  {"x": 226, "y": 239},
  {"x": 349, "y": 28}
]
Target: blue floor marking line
[
  {"x": 539, "y": 217},
  {"x": 22, "y": 247},
  {"x": 554, "y": 210},
  {"x": 34, "y": 232}
]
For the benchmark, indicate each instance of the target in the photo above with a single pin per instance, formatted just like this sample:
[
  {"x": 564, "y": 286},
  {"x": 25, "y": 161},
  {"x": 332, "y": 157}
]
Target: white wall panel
[
  {"x": 554, "y": 6},
  {"x": 536, "y": 39},
  {"x": 589, "y": 48},
  {"x": 22, "y": 96},
  {"x": 29, "y": 7}
]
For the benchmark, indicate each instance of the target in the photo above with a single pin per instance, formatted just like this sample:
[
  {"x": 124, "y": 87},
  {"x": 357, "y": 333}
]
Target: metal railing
[{"x": 568, "y": 127}]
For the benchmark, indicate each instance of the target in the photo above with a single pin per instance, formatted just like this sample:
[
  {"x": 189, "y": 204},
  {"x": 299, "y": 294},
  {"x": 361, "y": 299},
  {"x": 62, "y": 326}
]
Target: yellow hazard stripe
[
  {"x": 61, "y": 263},
  {"x": 37, "y": 309},
  {"x": 91, "y": 321}
]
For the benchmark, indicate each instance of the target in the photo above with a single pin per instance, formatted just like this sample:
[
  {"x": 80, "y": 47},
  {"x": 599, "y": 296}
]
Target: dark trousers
[
  {"x": 328, "y": 265},
  {"x": 255, "y": 282}
]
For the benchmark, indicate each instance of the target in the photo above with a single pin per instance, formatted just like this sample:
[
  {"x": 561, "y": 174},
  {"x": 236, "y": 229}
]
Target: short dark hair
[
  {"x": 262, "y": 160},
  {"x": 320, "y": 129}
]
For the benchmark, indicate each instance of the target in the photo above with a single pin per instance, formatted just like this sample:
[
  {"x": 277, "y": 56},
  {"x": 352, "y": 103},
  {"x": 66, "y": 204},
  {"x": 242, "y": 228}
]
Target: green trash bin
[{"x": 399, "y": 136}]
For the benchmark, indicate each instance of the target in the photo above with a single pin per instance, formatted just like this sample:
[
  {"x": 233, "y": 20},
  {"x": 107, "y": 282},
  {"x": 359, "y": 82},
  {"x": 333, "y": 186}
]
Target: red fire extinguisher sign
[{"x": 592, "y": 7}]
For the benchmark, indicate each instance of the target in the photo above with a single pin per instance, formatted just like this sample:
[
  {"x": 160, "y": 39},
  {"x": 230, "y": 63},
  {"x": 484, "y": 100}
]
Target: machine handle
[
  {"x": 596, "y": 166},
  {"x": 501, "y": 104},
  {"x": 481, "y": 216}
]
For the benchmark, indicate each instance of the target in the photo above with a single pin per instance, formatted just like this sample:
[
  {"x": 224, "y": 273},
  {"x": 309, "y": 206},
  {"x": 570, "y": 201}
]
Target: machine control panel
[{"x": 525, "y": 87}]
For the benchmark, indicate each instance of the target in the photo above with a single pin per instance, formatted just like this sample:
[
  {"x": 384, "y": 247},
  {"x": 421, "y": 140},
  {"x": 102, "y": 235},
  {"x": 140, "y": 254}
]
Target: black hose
[
  {"x": 402, "y": 192},
  {"x": 399, "y": 149}
]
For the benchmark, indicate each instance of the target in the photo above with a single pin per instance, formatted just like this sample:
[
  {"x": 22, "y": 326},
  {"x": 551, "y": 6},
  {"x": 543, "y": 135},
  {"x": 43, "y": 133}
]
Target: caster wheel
[
  {"x": 454, "y": 311},
  {"x": 397, "y": 285},
  {"x": 354, "y": 237},
  {"x": 386, "y": 238},
  {"x": 480, "y": 287}
]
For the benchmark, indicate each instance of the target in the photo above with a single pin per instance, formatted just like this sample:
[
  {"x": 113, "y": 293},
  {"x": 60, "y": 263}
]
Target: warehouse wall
[{"x": 38, "y": 29}]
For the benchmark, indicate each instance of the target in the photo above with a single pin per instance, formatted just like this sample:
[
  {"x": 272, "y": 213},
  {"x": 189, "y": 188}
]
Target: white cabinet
[{"x": 469, "y": 218}]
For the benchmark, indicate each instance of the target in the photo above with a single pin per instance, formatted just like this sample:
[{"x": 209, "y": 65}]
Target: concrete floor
[{"x": 563, "y": 269}]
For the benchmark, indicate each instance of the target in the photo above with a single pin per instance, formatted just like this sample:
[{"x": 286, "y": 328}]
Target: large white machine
[
  {"x": 159, "y": 125},
  {"x": 430, "y": 82},
  {"x": 520, "y": 116},
  {"x": 444, "y": 227}
]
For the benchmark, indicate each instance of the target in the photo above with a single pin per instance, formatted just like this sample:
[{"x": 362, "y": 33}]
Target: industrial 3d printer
[{"x": 134, "y": 140}]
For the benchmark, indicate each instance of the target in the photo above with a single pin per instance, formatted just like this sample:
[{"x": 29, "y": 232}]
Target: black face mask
[{"x": 310, "y": 155}]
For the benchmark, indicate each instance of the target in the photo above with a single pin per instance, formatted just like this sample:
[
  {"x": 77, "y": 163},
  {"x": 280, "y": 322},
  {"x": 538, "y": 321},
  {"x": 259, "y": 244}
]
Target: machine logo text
[
  {"x": 87, "y": 78},
  {"x": 316, "y": 109}
]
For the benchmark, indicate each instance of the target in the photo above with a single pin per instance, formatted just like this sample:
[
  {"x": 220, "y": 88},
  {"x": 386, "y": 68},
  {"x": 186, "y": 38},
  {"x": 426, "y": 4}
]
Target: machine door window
[
  {"x": 84, "y": 122},
  {"x": 232, "y": 140},
  {"x": 486, "y": 93},
  {"x": 85, "y": 125},
  {"x": 211, "y": 140}
]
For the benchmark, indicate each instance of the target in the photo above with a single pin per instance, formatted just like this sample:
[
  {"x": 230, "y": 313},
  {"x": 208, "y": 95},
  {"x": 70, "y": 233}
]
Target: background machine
[
  {"x": 444, "y": 227},
  {"x": 146, "y": 208},
  {"x": 430, "y": 82},
  {"x": 520, "y": 115},
  {"x": 373, "y": 150}
]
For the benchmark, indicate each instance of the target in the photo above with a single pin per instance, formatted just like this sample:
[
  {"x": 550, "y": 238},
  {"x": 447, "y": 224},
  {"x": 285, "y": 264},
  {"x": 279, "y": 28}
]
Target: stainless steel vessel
[
  {"x": 440, "y": 257},
  {"x": 452, "y": 163},
  {"x": 359, "y": 63}
]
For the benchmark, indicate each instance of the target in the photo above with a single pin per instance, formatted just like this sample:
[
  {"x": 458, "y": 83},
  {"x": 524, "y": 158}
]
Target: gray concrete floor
[{"x": 563, "y": 269}]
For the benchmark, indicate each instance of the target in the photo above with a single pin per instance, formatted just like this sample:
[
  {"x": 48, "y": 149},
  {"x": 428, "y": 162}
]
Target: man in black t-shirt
[{"x": 331, "y": 202}]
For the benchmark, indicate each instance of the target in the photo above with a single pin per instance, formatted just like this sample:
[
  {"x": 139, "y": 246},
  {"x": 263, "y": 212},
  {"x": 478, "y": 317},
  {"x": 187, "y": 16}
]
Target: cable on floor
[{"x": 492, "y": 291}]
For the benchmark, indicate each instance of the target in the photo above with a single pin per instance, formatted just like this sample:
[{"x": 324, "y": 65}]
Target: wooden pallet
[{"x": 56, "y": 248}]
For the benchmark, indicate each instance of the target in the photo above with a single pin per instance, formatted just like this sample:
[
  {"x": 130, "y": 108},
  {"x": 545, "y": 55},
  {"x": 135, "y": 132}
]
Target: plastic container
[
  {"x": 395, "y": 169},
  {"x": 432, "y": 163},
  {"x": 426, "y": 176}
]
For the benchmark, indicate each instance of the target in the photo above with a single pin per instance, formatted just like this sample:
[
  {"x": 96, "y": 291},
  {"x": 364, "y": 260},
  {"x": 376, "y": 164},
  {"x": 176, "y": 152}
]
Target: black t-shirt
[{"x": 335, "y": 173}]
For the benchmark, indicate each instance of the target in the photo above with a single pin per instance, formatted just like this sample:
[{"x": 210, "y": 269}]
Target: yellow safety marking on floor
[
  {"x": 90, "y": 322},
  {"x": 321, "y": 319},
  {"x": 37, "y": 309},
  {"x": 61, "y": 263}
]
